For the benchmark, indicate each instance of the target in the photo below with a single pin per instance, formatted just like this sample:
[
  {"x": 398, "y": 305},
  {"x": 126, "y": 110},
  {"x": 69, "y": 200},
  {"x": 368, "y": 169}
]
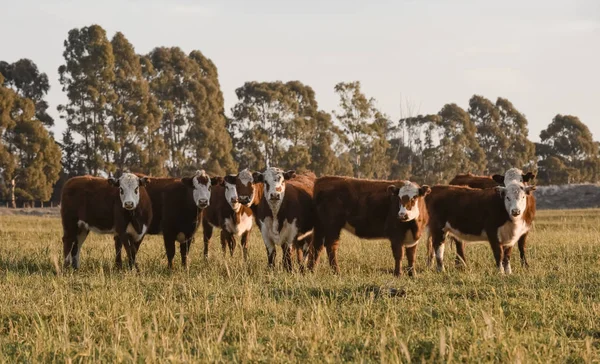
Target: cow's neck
[{"x": 275, "y": 206}]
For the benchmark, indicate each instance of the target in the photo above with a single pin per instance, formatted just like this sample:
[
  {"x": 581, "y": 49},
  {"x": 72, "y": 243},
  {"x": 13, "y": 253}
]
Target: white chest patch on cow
[
  {"x": 511, "y": 231},
  {"x": 244, "y": 225},
  {"x": 465, "y": 237},
  {"x": 270, "y": 231},
  {"x": 84, "y": 225},
  {"x": 409, "y": 239},
  {"x": 134, "y": 234}
]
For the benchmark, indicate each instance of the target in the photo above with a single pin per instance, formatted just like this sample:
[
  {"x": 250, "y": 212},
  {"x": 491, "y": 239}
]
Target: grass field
[{"x": 225, "y": 310}]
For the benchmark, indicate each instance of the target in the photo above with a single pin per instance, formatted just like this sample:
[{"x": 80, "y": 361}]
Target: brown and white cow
[
  {"x": 230, "y": 212},
  {"x": 371, "y": 210},
  {"x": 284, "y": 213},
  {"x": 481, "y": 182},
  {"x": 502, "y": 216},
  {"x": 182, "y": 204},
  {"x": 120, "y": 207}
]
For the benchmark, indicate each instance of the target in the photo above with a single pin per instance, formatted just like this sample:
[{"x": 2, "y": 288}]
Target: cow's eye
[
  {"x": 209, "y": 188},
  {"x": 137, "y": 189},
  {"x": 121, "y": 190}
]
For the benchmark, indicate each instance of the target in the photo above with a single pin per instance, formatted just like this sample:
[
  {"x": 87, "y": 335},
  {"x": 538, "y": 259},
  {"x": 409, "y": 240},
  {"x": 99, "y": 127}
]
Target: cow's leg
[
  {"x": 169, "y": 240},
  {"x": 69, "y": 239},
  {"x": 232, "y": 243},
  {"x": 331, "y": 245},
  {"x": 287, "y": 256},
  {"x": 506, "y": 259},
  {"x": 224, "y": 239},
  {"x": 129, "y": 248},
  {"x": 184, "y": 249},
  {"x": 398, "y": 256},
  {"x": 315, "y": 248},
  {"x": 411, "y": 254},
  {"x": 245, "y": 245},
  {"x": 437, "y": 236},
  {"x": 82, "y": 234},
  {"x": 207, "y": 231},
  {"x": 496, "y": 248},
  {"x": 118, "y": 252},
  {"x": 460, "y": 260},
  {"x": 522, "y": 243},
  {"x": 300, "y": 256}
]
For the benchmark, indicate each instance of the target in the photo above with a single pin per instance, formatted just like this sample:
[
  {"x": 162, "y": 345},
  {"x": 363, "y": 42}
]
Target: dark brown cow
[
  {"x": 227, "y": 212},
  {"x": 183, "y": 203},
  {"x": 482, "y": 182},
  {"x": 501, "y": 215},
  {"x": 284, "y": 213},
  {"x": 108, "y": 206},
  {"x": 368, "y": 209}
]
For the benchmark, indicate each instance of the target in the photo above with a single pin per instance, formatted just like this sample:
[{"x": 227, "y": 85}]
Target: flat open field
[{"x": 225, "y": 310}]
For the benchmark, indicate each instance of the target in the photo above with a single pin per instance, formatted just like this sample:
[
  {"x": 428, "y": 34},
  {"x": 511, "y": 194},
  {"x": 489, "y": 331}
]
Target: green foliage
[
  {"x": 364, "y": 129},
  {"x": 29, "y": 156},
  {"x": 193, "y": 122},
  {"x": 568, "y": 154}
]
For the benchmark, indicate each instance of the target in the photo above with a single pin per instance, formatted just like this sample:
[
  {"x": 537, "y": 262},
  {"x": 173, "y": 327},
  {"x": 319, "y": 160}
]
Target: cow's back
[
  {"x": 473, "y": 181},
  {"x": 88, "y": 199}
]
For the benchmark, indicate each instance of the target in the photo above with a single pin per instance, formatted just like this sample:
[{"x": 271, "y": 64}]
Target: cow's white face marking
[
  {"x": 409, "y": 208},
  {"x": 274, "y": 187},
  {"x": 231, "y": 196},
  {"x": 202, "y": 187},
  {"x": 129, "y": 190},
  {"x": 515, "y": 199},
  {"x": 513, "y": 175},
  {"x": 246, "y": 179}
]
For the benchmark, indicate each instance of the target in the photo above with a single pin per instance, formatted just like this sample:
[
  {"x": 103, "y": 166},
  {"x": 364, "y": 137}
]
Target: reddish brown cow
[
  {"x": 368, "y": 209},
  {"x": 482, "y": 182},
  {"x": 284, "y": 213},
  {"x": 501, "y": 215},
  {"x": 183, "y": 203},
  {"x": 230, "y": 211},
  {"x": 108, "y": 206}
]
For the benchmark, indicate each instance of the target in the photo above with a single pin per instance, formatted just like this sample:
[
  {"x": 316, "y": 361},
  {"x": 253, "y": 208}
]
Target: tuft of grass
[{"x": 226, "y": 310}]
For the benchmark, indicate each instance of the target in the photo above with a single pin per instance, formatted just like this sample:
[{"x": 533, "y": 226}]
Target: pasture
[{"x": 226, "y": 310}]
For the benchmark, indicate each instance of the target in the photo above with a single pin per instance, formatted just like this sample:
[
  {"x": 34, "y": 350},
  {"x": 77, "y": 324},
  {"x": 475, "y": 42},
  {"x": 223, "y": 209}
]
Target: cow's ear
[
  {"x": 258, "y": 177},
  {"x": 230, "y": 178},
  {"x": 528, "y": 177},
  {"x": 501, "y": 191},
  {"x": 289, "y": 174},
  {"x": 393, "y": 190},
  {"x": 113, "y": 181},
  {"x": 143, "y": 181},
  {"x": 424, "y": 190},
  {"x": 214, "y": 181},
  {"x": 530, "y": 189},
  {"x": 498, "y": 178},
  {"x": 188, "y": 181}
]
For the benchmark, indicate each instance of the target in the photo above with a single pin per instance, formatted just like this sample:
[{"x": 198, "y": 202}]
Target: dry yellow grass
[{"x": 225, "y": 310}]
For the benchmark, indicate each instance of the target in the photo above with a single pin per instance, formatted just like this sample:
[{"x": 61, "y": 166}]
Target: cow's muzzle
[
  {"x": 245, "y": 199},
  {"x": 275, "y": 197},
  {"x": 202, "y": 204},
  {"x": 515, "y": 212},
  {"x": 403, "y": 217},
  {"x": 128, "y": 205}
]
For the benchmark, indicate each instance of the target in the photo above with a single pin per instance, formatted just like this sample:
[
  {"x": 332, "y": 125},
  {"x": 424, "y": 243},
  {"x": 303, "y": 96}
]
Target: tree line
[{"x": 163, "y": 114}]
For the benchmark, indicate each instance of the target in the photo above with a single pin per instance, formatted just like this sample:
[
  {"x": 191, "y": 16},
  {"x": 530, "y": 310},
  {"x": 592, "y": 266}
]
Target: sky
[{"x": 544, "y": 56}]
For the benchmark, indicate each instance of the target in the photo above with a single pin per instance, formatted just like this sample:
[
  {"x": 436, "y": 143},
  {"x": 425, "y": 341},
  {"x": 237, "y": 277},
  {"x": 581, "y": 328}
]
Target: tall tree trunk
[{"x": 13, "y": 202}]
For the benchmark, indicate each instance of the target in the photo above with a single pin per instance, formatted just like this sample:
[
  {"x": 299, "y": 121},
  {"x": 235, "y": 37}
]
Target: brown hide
[
  {"x": 472, "y": 211},
  {"x": 365, "y": 208},
  {"x": 473, "y": 181},
  {"x": 94, "y": 201},
  {"x": 155, "y": 191}
]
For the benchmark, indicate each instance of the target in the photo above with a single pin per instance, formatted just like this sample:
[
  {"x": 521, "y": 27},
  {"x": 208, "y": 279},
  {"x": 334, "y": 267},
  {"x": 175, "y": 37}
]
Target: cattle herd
[{"x": 300, "y": 213}]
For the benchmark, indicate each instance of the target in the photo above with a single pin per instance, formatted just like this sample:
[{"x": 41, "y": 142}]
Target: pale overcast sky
[{"x": 542, "y": 55}]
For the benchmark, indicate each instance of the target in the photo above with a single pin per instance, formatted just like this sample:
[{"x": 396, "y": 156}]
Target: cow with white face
[
  {"x": 229, "y": 210},
  {"x": 201, "y": 185},
  {"x": 121, "y": 207},
  {"x": 408, "y": 197},
  {"x": 502, "y": 215},
  {"x": 183, "y": 204},
  {"x": 514, "y": 175},
  {"x": 129, "y": 189},
  {"x": 284, "y": 213}
]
